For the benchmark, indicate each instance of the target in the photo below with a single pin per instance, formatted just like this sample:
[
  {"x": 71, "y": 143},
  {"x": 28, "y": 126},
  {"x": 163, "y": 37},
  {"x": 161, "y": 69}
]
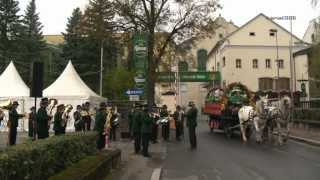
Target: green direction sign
[{"x": 189, "y": 76}]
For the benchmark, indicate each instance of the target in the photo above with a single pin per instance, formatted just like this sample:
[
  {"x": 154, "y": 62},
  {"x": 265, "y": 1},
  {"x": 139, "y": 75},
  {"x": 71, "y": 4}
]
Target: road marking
[{"x": 156, "y": 174}]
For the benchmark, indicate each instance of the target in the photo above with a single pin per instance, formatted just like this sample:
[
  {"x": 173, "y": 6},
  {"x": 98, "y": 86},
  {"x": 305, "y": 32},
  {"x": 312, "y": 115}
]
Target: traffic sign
[
  {"x": 134, "y": 92},
  {"x": 134, "y": 97}
]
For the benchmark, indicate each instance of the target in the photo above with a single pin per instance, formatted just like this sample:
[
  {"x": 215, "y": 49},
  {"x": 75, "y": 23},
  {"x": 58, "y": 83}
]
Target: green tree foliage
[
  {"x": 180, "y": 18},
  {"x": 117, "y": 82}
]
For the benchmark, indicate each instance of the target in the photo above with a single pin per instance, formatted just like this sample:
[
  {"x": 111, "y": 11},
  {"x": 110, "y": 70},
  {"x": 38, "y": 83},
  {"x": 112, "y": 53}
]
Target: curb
[
  {"x": 156, "y": 174},
  {"x": 304, "y": 140}
]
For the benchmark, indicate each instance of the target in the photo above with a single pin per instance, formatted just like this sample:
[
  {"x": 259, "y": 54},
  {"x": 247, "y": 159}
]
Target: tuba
[
  {"x": 6, "y": 105},
  {"x": 66, "y": 115}
]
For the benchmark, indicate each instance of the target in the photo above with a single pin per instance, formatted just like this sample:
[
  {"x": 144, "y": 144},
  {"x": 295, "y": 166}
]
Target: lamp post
[{"x": 275, "y": 31}]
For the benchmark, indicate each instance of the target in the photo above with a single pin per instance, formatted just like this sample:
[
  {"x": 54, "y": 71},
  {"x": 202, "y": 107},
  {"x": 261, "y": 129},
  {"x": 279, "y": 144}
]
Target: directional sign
[
  {"x": 188, "y": 76},
  {"x": 134, "y": 97},
  {"x": 134, "y": 92}
]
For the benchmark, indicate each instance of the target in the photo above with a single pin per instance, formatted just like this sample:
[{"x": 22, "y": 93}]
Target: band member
[
  {"x": 13, "y": 123},
  {"x": 155, "y": 118},
  {"x": 114, "y": 124},
  {"x": 130, "y": 120},
  {"x": 78, "y": 122},
  {"x": 100, "y": 121},
  {"x": 192, "y": 124},
  {"x": 136, "y": 128},
  {"x": 146, "y": 128},
  {"x": 66, "y": 117},
  {"x": 32, "y": 122},
  {"x": 178, "y": 119},
  {"x": 86, "y": 116},
  {"x": 43, "y": 119},
  {"x": 166, "y": 125},
  {"x": 57, "y": 122}
]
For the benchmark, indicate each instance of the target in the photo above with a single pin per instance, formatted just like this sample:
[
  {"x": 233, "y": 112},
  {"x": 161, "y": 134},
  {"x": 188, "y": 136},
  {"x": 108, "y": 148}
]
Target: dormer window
[{"x": 252, "y": 34}]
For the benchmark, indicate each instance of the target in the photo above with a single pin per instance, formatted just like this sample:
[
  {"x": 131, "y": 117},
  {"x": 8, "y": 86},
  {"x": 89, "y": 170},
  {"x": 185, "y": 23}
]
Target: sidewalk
[{"x": 137, "y": 167}]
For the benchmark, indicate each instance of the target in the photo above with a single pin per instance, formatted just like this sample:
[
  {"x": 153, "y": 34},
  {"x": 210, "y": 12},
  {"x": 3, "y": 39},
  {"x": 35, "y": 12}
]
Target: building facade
[{"x": 252, "y": 54}]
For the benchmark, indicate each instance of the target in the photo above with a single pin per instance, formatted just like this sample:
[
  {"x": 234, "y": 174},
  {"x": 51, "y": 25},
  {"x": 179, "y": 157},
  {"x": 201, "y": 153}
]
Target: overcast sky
[{"x": 54, "y": 13}]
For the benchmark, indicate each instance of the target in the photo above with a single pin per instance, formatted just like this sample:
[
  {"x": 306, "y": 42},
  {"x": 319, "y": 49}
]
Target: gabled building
[{"x": 249, "y": 55}]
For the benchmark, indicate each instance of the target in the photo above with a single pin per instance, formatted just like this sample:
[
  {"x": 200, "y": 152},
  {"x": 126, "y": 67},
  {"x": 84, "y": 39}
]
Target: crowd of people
[{"x": 144, "y": 125}]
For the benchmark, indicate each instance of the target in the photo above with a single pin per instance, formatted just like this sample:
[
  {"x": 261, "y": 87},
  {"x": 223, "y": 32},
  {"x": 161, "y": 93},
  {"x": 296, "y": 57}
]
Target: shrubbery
[{"x": 43, "y": 158}]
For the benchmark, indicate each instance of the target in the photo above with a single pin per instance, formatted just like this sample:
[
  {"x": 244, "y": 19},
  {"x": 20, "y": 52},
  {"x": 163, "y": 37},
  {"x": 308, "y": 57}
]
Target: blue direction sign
[{"x": 134, "y": 92}]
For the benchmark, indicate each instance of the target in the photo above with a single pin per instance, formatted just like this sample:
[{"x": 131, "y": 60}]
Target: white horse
[
  {"x": 273, "y": 118},
  {"x": 247, "y": 116}
]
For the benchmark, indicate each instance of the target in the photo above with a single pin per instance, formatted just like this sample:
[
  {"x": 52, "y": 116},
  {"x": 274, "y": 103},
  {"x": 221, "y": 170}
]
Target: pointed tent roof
[
  {"x": 12, "y": 83},
  {"x": 69, "y": 84}
]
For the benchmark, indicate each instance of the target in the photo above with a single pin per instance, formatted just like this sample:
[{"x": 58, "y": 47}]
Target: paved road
[{"x": 219, "y": 158}]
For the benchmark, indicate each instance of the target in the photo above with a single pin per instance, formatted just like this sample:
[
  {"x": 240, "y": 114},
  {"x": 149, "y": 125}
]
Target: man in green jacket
[
  {"x": 13, "y": 123},
  {"x": 136, "y": 128},
  {"x": 99, "y": 126},
  {"x": 146, "y": 130},
  {"x": 192, "y": 124},
  {"x": 43, "y": 119}
]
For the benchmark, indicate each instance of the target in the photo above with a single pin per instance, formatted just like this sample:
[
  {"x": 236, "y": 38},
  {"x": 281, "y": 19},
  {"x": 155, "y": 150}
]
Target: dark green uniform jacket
[
  {"x": 14, "y": 118},
  {"x": 146, "y": 123},
  {"x": 57, "y": 123},
  {"x": 42, "y": 123},
  {"x": 192, "y": 117},
  {"x": 100, "y": 121},
  {"x": 130, "y": 120},
  {"x": 137, "y": 122}
]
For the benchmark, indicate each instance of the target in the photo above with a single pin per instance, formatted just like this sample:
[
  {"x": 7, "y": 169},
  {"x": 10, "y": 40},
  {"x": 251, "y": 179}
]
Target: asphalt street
[{"x": 220, "y": 158}]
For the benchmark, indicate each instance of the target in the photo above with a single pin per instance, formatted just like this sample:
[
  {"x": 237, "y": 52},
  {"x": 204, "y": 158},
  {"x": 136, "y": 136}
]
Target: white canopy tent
[
  {"x": 14, "y": 88},
  {"x": 70, "y": 89}
]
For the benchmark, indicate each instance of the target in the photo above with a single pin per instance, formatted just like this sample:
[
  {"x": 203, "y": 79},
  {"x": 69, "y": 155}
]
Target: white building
[
  {"x": 312, "y": 33},
  {"x": 249, "y": 54}
]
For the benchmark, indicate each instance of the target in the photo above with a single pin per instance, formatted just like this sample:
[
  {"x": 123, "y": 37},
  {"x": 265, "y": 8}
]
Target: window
[
  {"x": 223, "y": 61},
  {"x": 255, "y": 64},
  {"x": 271, "y": 33},
  {"x": 268, "y": 63},
  {"x": 183, "y": 66},
  {"x": 252, "y": 33},
  {"x": 238, "y": 63},
  {"x": 202, "y": 59},
  {"x": 280, "y": 64},
  {"x": 282, "y": 83},
  {"x": 265, "y": 84},
  {"x": 220, "y": 36}
]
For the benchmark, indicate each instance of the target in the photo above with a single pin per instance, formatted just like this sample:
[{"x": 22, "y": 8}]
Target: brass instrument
[
  {"x": 52, "y": 104},
  {"x": 6, "y": 105},
  {"x": 66, "y": 115},
  {"x": 108, "y": 118}
]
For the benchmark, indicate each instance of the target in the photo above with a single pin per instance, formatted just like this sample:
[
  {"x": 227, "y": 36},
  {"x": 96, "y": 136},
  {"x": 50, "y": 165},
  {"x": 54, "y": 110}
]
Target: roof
[
  {"x": 12, "y": 83},
  {"x": 69, "y": 84},
  {"x": 54, "y": 39},
  {"x": 259, "y": 15},
  {"x": 302, "y": 52}
]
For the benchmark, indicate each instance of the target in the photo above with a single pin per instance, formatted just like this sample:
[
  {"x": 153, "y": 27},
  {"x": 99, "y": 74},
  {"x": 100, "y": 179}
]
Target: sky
[{"x": 54, "y": 13}]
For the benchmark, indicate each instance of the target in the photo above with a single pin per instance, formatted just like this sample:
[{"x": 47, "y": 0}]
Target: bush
[{"x": 43, "y": 158}]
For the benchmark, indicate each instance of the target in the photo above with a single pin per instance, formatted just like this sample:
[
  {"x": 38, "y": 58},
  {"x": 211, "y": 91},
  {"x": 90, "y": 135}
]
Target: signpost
[
  {"x": 188, "y": 76},
  {"x": 134, "y": 92}
]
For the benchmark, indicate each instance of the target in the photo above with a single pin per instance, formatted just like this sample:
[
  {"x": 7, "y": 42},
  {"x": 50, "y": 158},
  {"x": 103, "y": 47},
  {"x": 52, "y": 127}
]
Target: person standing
[
  {"x": 178, "y": 119},
  {"x": 43, "y": 119},
  {"x": 57, "y": 120},
  {"x": 13, "y": 123},
  {"x": 114, "y": 124},
  {"x": 78, "y": 123},
  {"x": 165, "y": 125},
  {"x": 32, "y": 122},
  {"x": 99, "y": 126},
  {"x": 136, "y": 129},
  {"x": 130, "y": 120},
  {"x": 87, "y": 117},
  {"x": 155, "y": 119},
  {"x": 146, "y": 128},
  {"x": 192, "y": 124}
]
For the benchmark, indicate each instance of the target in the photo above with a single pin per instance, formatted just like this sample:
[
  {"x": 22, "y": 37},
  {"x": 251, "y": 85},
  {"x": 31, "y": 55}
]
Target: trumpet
[{"x": 65, "y": 115}]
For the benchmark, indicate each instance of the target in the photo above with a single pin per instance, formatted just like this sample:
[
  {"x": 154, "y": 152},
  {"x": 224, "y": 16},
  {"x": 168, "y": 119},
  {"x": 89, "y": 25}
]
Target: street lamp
[{"x": 275, "y": 31}]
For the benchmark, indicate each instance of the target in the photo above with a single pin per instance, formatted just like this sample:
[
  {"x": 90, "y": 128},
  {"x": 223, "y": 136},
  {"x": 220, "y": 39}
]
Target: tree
[
  {"x": 180, "y": 18},
  {"x": 10, "y": 31}
]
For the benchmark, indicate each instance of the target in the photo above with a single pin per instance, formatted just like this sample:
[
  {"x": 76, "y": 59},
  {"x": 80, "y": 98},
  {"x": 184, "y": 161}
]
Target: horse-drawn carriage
[{"x": 222, "y": 107}]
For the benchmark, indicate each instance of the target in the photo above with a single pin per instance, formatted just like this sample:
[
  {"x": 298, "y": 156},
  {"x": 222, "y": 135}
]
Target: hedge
[{"x": 43, "y": 158}]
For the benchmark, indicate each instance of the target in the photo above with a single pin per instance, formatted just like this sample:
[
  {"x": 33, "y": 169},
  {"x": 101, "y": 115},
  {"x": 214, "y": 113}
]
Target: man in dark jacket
[
  {"x": 165, "y": 128},
  {"x": 146, "y": 129},
  {"x": 178, "y": 119},
  {"x": 100, "y": 121},
  {"x": 43, "y": 119},
  {"x": 136, "y": 128},
  {"x": 13, "y": 123},
  {"x": 57, "y": 120},
  {"x": 32, "y": 123},
  {"x": 192, "y": 124},
  {"x": 78, "y": 122}
]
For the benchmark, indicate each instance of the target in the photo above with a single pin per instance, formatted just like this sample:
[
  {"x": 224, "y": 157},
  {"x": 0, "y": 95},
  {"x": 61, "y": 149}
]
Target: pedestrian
[
  {"x": 136, "y": 129},
  {"x": 43, "y": 119},
  {"x": 178, "y": 119},
  {"x": 78, "y": 122},
  {"x": 99, "y": 126},
  {"x": 130, "y": 120},
  {"x": 165, "y": 128},
  {"x": 57, "y": 120},
  {"x": 155, "y": 118},
  {"x": 146, "y": 128},
  {"x": 13, "y": 122},
  {"x": 192, "y": 124},
  {"x": 114, "y": 124},
  {"x": 86, "y": 116},
  {"x": 32, "y": 123}
]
